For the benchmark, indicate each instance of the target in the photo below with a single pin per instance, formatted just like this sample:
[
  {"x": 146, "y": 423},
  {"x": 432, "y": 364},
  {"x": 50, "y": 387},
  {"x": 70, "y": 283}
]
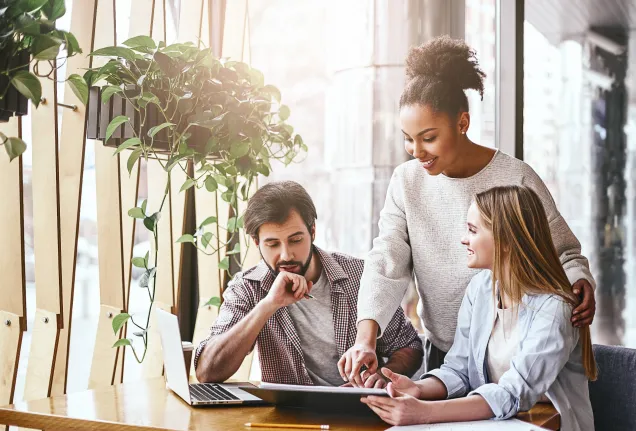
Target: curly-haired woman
[{"x": 426, "y": 203}]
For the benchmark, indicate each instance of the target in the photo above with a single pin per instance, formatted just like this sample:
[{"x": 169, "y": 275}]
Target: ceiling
[{"x": 569, "y": 19}]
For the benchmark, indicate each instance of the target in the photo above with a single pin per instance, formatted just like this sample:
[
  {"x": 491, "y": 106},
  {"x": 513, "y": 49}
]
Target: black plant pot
[
  {"x": 13, "y": 102},
  {"x": 101, "y": 114}
]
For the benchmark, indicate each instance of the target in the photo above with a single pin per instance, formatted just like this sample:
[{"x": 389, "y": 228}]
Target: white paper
[
  {"x": 508, "y": 425},
  {"x": 328, "y": 389}
]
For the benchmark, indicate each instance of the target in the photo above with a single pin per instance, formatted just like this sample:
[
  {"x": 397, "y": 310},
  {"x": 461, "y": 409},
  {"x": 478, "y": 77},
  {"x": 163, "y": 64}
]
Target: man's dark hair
[{"x": 273, "y": 203}]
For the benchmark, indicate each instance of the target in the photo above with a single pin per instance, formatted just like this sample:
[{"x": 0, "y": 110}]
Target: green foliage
[
  {"x": 28, "y": 36},
  {"x": 218, "y": 122}
]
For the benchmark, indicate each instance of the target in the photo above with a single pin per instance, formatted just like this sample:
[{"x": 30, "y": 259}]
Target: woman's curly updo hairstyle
[{"x": 437, "y": 74}]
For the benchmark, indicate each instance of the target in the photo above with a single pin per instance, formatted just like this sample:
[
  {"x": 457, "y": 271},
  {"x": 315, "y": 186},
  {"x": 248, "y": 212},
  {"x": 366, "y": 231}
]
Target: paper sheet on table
[{"x": 509, "y": 425}]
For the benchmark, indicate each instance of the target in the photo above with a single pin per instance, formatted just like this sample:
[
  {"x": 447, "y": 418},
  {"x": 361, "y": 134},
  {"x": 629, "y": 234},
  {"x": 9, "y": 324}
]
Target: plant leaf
[
  {"x": 115, "y": 51},
  {"x": 187, "y": 184},
  {"x": 144, "y": 41},
  {"x": 206, "y": 238},
  {"x": 273, "y": 91},
  {"x": 122, "y": 342},
  {"x": 236, "y": 249},
  {"x": 283, "y": 112},
  {"x": 79, "y": 87},
  {"x": 46, "y": 47},
  {"x": 215, "y": 301},
  {"x": 224, "y": 264},
  {"x": 231, "y": 225},
  {"x": 132, "y": 159},
  {"x": 149, "y": 222},
  {"x": 146, "y": 257},
  {"x": 114, "y": 124},
  {"x": 136, "y": 212},
  {"x": 139, "y": 262},
  {"x": 29, "y": 85},
  {"x": 119, "y": 320},
  {"x": 156, "y": 129},
  {"x": 127, "y": 144},
  {"x": 186, "y": 238},
  {"x": 211, "y": 185},
  {"x": 30, "y": 6},
  {"x": 239, "y": 149},
  {"x": 208, "y": 221},
  {"x": 54, "y": 10},
  {"x": 108, "y": 91},
  {"x": 14, "y": 147}
]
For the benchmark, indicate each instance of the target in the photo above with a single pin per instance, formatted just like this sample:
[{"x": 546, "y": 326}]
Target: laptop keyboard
[{"x": 211, "y": 392}]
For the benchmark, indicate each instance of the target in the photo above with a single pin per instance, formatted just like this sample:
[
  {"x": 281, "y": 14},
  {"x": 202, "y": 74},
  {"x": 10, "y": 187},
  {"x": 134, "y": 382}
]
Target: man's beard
[{"x": 303, "y": 267}]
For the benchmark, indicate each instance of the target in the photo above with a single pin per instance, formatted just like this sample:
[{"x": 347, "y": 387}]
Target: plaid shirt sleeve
[
  {"x": 237, "y": 303},
  {"x": 399, "y": 334}
]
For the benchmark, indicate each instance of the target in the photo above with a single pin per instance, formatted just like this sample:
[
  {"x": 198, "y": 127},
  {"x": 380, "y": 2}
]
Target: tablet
[{"x": 318, "y": 398}]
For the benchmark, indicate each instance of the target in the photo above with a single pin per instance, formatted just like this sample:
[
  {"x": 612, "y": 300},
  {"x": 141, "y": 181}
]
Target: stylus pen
[
  {"x": 308, "y": 296},
  {"x": 309, "y": 427}
]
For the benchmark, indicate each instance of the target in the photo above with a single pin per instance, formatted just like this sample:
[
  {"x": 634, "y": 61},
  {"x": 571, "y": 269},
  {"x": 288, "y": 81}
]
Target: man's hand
[
  {"x": 583, "y": 315},
  {"x": 288, "y": 288},
  {"x": 350, "y": 365}
]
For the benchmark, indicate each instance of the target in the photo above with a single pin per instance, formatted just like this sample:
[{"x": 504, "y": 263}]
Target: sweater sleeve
[
  {"x": 388, "y": 268},
  {"x": 567, "y": 245}
]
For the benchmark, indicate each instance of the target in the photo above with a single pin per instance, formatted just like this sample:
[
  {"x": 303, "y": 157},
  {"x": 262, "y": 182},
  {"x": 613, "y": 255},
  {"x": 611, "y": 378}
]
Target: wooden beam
[
  {"x": 10, "y": 342},
  {"x": 110, "y": 248},
  {"x": 42, "y": 356},
  {"x": 71, "y": 165},
  {"x": 13, "y": 298},
  {"x": 46, "y": 205}
]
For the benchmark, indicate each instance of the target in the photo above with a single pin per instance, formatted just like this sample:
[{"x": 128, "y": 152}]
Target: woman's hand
[
  {"x": 401, "y": 384},
  {"x": 583, "y": 315},
  {"x": 400, "y": 409},
  {"x": 375, "y": 380},
  {"x": 350, "y": 365}
]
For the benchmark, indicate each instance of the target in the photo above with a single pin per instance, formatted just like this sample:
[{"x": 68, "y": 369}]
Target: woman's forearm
[
  {"x": 432, "y": 389},
  {"x": 368, "y": 333},
  {"x": 472, "y": 408}
]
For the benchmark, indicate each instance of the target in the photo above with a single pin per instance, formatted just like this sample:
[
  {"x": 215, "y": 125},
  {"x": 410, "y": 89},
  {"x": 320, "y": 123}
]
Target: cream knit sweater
[{"x": 421, "y": 225}]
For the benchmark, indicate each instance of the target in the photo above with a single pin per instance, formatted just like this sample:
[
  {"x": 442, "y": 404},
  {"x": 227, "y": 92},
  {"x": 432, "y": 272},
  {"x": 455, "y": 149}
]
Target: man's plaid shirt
[{"x": 279, "y": 349}]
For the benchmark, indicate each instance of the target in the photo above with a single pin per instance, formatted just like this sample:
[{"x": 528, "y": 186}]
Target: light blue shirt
[{"x": 549, "y": 360}]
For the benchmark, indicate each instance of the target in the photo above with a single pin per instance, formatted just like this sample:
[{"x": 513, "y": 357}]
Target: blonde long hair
[{"x": 518, "y": 222}]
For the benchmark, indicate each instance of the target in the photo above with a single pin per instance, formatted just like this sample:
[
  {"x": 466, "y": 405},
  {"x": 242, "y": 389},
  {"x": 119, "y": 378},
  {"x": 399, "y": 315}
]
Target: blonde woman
[{"x": 514, "y": 343}]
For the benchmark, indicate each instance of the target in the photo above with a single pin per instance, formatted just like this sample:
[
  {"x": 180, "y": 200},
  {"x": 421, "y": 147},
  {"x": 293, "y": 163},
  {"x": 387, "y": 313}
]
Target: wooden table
[{"x": 148, "y": 405}]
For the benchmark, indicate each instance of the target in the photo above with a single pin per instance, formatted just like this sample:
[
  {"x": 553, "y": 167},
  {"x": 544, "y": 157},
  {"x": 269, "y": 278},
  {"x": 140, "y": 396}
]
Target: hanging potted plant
[
  {"x": 186, "y": 109},
  {"x": 28, "y": 35}
]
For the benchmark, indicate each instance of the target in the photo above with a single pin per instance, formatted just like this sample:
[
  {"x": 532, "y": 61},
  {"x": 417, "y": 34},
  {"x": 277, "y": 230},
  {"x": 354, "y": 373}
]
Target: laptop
[{"x": 199, "y": 394}]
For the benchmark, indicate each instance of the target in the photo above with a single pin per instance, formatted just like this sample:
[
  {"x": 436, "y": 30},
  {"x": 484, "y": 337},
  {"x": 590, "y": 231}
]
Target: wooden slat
[
  {"x": 164, "y": 280},
  {"x": 177, "y": 216},
  {"x": 208, "y": 270},
  {"x": 12, "y": 284},
  {"x": 111, "y": 263},
  {"x": 46, "y": 210},
  {"x": 153, "y": 364},
  {"x": 10, "y": 341},
  {"x": 159, "y": 20},
  {"x": 41, "y": 356},
  {"x": 190, "y": 21},
  {"x": 234, "y": 29},
  {"x": 71, "y": 165},
  {"x": 104, "y": 355}
]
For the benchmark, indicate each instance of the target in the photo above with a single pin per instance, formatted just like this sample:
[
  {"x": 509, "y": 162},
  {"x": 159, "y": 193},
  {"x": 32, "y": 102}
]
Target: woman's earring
[{"x": 463, "y": 132}]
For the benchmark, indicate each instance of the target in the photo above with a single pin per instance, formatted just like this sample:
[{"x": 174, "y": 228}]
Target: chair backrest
[{"x": 613, "y": 394}]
